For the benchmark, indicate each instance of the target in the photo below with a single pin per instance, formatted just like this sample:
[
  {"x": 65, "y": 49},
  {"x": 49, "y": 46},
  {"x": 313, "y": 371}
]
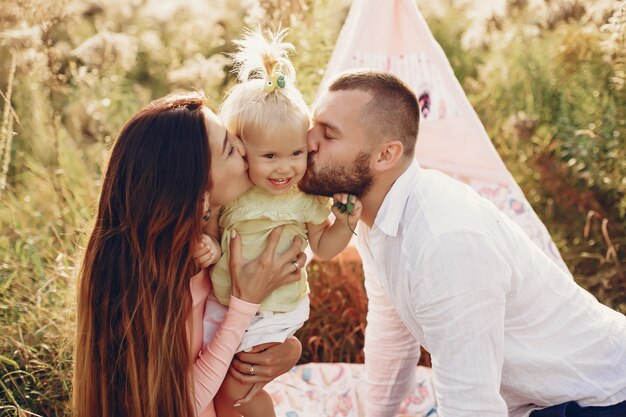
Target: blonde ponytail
[
  {"x": 261, "y": 55},
  {"x": 265, "y": 100}
]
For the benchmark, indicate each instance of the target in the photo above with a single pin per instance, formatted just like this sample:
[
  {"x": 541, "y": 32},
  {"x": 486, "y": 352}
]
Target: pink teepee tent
[{"x": 392, "y": 35}]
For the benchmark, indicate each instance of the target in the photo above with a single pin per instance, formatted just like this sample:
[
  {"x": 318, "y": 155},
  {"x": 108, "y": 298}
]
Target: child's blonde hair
[{"x": 262, "y": 104}]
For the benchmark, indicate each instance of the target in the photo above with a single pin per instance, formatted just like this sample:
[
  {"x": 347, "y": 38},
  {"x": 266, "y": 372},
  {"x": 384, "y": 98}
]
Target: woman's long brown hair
[{"x": 132, "y": 349}]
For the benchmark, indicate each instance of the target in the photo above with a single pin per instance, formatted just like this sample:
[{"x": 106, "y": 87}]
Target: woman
[{"x": 140, "y": 295}]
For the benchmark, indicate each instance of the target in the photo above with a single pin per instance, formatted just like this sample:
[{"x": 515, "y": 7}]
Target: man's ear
[{"x": 387, "y": 155}]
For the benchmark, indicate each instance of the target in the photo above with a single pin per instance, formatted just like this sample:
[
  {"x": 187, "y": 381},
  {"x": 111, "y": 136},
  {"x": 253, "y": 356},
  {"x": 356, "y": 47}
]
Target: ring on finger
[
  {"x": 295, "y": 263},
  {"x": 251, "y": 370}
]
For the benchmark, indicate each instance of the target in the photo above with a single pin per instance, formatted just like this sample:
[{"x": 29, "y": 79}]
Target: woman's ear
[{"x": 387, "y": 155}]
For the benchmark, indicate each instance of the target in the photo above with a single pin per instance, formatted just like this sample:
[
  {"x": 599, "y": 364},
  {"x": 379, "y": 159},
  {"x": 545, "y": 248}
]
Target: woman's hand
[
  {"x": 254, "y": 280},
  {"x": 266, "y": 361}
]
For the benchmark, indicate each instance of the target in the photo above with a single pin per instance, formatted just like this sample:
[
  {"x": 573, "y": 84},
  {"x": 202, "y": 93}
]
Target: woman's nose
[{"x": 240, "y": 148}]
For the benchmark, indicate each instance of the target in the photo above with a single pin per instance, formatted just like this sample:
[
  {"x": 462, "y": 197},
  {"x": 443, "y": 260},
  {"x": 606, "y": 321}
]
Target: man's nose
[{"x": 311, "y": 141}]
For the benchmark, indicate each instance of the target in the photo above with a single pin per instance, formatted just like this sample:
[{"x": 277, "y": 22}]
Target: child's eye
[
  {"x": 297, "y": 153},
  {"x": 269, "y": 156}
]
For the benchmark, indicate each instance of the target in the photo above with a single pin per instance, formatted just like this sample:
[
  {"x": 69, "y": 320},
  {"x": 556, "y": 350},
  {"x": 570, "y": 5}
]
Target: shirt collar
[{"x": 390, "y": 212}]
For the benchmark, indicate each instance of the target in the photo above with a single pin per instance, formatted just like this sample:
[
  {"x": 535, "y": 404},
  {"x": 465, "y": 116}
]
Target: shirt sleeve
[
  {"x": 460, "y": 301},
  {"x": 211, "y": 365},
  {"x": 391, "y": 353}
]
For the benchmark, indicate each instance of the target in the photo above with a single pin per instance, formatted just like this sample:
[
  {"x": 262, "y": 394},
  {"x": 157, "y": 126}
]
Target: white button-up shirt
[{"x": 508, "y": 330}]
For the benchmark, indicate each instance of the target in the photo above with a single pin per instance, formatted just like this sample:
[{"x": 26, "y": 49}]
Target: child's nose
[{"x": 285, "y": 168}]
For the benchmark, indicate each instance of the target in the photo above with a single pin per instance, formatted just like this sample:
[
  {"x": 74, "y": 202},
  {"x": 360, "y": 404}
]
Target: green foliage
[{"x": 547, "y": 80}]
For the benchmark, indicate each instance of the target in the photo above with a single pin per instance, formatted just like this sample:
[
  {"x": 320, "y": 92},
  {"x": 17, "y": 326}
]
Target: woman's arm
[{"x": 210, "y": 367}]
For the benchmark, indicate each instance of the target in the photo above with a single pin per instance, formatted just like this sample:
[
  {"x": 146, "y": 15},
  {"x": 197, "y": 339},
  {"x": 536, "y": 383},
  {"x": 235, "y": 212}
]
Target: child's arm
[
  {"x": 212, "y": 227},
  {"x": 208, "y": 251},
  {"x": 327, "y": 240}
]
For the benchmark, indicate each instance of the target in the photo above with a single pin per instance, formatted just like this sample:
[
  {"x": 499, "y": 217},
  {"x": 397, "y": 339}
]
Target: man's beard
[{"x": 356, "y": 179}]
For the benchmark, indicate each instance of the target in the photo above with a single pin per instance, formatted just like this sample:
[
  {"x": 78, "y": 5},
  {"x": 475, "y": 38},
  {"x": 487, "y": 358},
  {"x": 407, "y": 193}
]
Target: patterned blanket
[{"x": 337, "y": 389}]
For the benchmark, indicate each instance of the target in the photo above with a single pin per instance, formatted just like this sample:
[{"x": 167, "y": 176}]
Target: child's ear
[{"x": 387, "y": 155}]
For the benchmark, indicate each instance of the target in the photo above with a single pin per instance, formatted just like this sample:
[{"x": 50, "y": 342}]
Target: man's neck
[{"x": 377, "y": 193}]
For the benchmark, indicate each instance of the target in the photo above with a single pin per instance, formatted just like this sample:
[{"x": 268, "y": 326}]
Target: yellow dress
[{"x": 254, "y": 215}]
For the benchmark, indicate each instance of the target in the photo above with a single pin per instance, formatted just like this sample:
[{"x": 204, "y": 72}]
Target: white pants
[{"x": 266, "y": 326}]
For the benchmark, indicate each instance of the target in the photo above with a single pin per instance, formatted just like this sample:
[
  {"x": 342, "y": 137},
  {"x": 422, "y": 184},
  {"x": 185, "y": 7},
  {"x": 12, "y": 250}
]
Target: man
[{"x": 509, "y": 331}]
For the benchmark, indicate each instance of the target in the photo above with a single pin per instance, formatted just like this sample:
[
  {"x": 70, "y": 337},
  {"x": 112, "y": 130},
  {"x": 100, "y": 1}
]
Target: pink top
[{"x": 210, "y": 366}]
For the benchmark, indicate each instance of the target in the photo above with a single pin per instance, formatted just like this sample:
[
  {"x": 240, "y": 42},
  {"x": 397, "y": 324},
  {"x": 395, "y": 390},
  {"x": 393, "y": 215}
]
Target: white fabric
[
  {"x": 505, "y": 325},
  {"x": 265, "y": 327},
  {"x": 393, "y": 36}
]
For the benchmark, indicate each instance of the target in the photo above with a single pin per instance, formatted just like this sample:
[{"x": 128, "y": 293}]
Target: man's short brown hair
[{"x": 393, "y": 111}]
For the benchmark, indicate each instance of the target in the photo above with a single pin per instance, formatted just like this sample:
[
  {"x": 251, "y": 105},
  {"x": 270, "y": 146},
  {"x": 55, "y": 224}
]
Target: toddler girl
[{"x": 268, "y": 113}]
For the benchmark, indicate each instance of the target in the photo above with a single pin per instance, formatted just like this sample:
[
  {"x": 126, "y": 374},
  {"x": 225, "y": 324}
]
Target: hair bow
[{"x": 275, "y": 80}]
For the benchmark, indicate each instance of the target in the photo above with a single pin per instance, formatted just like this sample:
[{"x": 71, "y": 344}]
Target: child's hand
[
  {"x": 207, "y": 252},
  {"x": 347, "y": 208}
]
